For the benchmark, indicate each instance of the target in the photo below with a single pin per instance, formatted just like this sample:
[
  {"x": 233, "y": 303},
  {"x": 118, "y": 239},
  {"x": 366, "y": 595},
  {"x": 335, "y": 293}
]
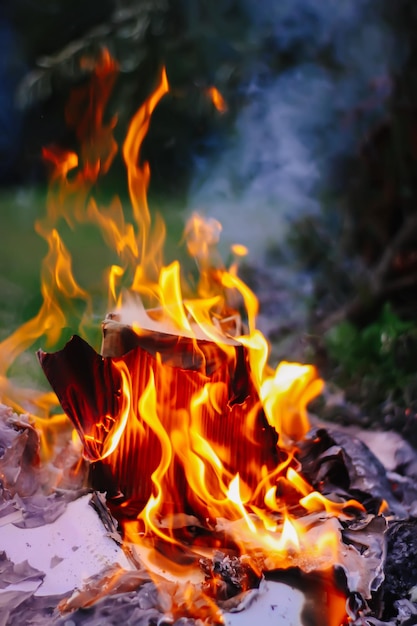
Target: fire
[
  {"x": 206, "y": 432},
  {"x": 217, "y": 99}
]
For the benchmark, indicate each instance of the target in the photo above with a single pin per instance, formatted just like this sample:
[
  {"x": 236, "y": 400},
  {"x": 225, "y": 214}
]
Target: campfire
[{"x": 199, "y": 456}]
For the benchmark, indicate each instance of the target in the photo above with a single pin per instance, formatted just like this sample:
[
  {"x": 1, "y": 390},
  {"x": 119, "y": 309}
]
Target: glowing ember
[
  {"x": 217, "y": 99},
  {"x": 181, "y": 414}
]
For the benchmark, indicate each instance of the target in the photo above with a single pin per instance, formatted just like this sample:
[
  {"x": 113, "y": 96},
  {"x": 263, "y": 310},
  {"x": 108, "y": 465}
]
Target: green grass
[
  {"x": 377, "y": 362},
  {"x": 21, "y": 255}
]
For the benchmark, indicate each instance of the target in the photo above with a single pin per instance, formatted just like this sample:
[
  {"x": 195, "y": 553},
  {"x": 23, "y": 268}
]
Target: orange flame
[
  {"x": 217, "y": 99},
  {"x": 220, "y": 311}
]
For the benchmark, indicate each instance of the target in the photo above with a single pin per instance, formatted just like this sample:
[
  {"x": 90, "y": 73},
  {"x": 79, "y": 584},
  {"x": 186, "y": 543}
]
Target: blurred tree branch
[{"x": 376, "y": 284}]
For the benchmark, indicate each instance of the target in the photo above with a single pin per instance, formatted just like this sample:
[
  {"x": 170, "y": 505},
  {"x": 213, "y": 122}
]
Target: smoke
[{"x": 320, "y": 78}]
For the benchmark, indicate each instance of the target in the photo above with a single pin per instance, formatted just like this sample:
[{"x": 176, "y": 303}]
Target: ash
[
  {"x": 333, "y": 461},
  {"x": 135, "y": 608},
  {"x": 33, "y": 493},
  {"x": 227, "y": 576}
]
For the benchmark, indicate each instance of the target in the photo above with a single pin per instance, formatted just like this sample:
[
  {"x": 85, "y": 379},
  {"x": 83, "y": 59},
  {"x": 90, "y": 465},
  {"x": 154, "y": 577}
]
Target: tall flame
[{"x": 259, "y": 503}]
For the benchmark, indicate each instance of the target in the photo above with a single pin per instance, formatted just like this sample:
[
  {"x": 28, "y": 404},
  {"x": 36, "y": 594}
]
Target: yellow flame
[
  {"x": 285, "y": 397},
  {"x": 171, "y": 297},
  {"x": 138, "y": 175},
  {"x": 148, "y": 411},
  {"x": 234, "y": 496},
  {"x": 210, "y": 308},
  {"x": 289, "y": 536},
  {"x": 239, "y": 250}
]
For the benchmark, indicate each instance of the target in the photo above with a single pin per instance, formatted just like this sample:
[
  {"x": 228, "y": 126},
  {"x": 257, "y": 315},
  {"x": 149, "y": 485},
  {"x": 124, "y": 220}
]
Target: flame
[
  {"x": 217, "y": 99},
  {"x": 285, "y": 397},
  {"x": 314, "y": 501},
  {"x": 227, "y": 483}
]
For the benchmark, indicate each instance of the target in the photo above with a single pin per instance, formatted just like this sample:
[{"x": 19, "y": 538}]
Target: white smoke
[{"x": 297, "y": 123}]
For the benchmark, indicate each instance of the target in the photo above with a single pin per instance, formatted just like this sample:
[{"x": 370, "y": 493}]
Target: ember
[{"x": 200, "y": 447}]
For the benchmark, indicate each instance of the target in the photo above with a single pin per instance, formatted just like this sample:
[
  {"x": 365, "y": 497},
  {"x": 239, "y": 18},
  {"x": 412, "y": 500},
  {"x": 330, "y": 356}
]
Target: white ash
[{"x": 33, "y": 493}]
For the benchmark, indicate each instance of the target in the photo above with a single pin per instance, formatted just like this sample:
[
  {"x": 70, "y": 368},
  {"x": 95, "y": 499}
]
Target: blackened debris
[
  {"x": 228, "y": 576},
  {"x": 98, "y": 503},
  {"x": 340, "y": 464},
  {"x": 401, "y": 562},
  {"x": 322, "y": 590}
]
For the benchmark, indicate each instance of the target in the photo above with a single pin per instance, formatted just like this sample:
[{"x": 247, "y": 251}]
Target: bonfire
[{"x": 197, "y": 454}]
